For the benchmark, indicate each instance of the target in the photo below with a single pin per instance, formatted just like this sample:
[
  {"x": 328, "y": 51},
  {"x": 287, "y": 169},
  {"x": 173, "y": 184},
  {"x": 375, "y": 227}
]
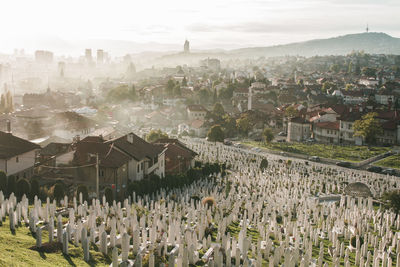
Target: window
[
  {"x": 16, "y": 159},
  {"x": 138, "y": 168}
]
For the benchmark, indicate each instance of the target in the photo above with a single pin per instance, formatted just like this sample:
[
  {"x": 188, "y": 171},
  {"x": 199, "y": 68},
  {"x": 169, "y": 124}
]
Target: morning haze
[{"x": 200, "y": 133}]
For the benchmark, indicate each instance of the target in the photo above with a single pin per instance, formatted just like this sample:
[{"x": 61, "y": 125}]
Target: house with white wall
[{"x": 17, "y": 155}]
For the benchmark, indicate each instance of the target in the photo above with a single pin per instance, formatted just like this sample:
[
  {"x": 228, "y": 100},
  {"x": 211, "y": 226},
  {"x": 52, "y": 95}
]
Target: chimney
[
  {"x": 8, "y": 126},
  {"x": 129, "y": 138}
]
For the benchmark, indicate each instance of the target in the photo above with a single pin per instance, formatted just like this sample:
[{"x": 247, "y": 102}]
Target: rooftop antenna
[{"x": 367, "y": 29}]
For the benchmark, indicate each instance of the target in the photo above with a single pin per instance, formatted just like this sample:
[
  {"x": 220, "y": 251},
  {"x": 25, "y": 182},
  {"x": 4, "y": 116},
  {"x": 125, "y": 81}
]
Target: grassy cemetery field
[
  {"x": 250, "y": 211},
  {"x": 344, "y": 153},
  {"x": 390, "y": 162}
]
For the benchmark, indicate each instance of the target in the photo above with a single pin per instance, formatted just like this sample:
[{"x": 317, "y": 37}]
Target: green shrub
[
  {"x": 58, "y": 191},
  {"x": 264, "y": 164},
  {"x": 109, "y": 195},
  {"x": 3, "y": 182},
  {"x": 23, "y": 188},
  {"x": 34, "y": 188},
  {"x": 11, "y": 184}
]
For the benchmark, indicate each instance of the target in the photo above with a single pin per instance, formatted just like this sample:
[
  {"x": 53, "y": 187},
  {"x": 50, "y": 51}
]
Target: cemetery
[
  {"x": 337, "y": 152},
  {"x": 263, "y": 211}
]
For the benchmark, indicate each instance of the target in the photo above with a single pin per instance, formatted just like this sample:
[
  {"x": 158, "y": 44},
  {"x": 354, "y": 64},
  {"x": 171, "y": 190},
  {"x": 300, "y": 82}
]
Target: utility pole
[
  {"x": 97, "y": 172},
  {"x": 97, "y": 176}
]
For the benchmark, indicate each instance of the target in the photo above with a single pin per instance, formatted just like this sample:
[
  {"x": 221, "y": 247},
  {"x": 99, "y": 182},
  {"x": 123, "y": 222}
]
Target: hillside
[{"x": 374, "y": 43}]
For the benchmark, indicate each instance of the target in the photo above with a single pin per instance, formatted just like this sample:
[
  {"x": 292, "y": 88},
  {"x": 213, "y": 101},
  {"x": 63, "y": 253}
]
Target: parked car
[
  {"x": 227, "y": 142},
  {"x": 376, "y": 169},
  {"x": 314, "y": 158},
  {"x": 343, "y": 164},
  {"x": 282, "y": 134},
  {"x": 281, "y": 141},
  {"x": 389, "y": 171},
  {"x": 310, "y": 140},
  {"x": 283, "y": 153}
]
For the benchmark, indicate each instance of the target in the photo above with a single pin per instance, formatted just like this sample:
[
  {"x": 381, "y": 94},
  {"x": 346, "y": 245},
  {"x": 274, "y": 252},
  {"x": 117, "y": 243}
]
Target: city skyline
[{"x": 208, "y": 25}]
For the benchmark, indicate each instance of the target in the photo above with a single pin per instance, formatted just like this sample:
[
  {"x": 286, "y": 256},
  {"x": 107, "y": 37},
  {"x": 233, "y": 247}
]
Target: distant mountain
[{"x": 373, "y": 42}]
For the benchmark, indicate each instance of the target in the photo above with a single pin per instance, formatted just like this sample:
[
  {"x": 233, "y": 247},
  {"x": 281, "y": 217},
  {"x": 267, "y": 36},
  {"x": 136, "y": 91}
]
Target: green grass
[
  {"x": 390, "y": 162},
  {"x": 15, "y": 251},
  {"x": 345, "y": 153}
]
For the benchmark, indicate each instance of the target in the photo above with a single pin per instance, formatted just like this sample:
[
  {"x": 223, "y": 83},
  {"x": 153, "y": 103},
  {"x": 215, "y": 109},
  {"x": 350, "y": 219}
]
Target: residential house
[
  {"x": 299, "y": 129},
  {"x": 178, "y": 157},
  {"x": 326, "y": 132},
  {"x": 196, "y": 112},
  {"x": 112, "y": 165},
  {"x": 17, "y": 155},
  {"x": 144, "y": 158}
]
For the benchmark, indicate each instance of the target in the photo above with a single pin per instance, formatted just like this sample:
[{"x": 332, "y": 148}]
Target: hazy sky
[{"x": 206, "y": 23}]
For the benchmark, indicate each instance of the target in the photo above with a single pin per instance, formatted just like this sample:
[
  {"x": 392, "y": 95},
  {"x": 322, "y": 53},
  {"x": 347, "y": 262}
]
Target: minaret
[
  {"x": 186, "y": 47},
  {"x": 249, "y": 101}
]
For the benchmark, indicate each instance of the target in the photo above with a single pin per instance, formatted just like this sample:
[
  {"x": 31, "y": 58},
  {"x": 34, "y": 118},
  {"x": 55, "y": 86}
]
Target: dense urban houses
[{"x": 17, "y": 155}]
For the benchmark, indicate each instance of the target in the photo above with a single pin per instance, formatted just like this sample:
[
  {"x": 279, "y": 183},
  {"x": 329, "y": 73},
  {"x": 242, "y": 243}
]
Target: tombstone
[
  {"x": 103, "y": 243},
  {"x": 65, "y": 242},
  {"x": 85, "y": 244},
  {"x": 125, "y": 246},
  {"x": 39, "y": 237},
  {"x": 115, "y": 257}
]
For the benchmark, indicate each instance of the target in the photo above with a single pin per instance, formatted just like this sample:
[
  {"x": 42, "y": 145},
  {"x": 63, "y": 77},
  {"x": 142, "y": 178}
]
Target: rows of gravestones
[{"x": 266, "y": 217}]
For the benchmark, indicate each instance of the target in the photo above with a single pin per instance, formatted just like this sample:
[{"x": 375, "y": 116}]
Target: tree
[
  {"x": 243, "y": 125},
  {"x": 218, "y": 110},
  {"x": 368, "y": 127},
  {"x": 58, "y": 191},
  {"x": 2, "y": 103},
  {"x": 3, "y": 182},
  {"x": 35, "y": 189},
  {"x": 392, "y": 200},
  {"x": 23, "y": 188},
  {"x": 132, "y": 92},
  {"x": 216, "y": 134},
  {"x": 11, "y": 186},
  {"x": 108, "y": 193},
  {"x": 350, "y": 67},
  {"x": 226, "y": 93},
  {"x": 268, "y": 135},
  {"x": 122, "y": 93},
  {"x": 154, "y": 135},
  {"x": 369, "y": 72},
  {"x": 203, "y": 95},
  {"x": 291, "y": 112},
  {"x": 335, "y": 68},
  {"x": 82, "y": 189},
  {"x": 229, "y": 125},
  {"x": 328, "y": 86},
  {"x": 263, "y": 164},
  {"x": 184, "y": 81},
  {"x": 170, "y": 87},
  {"x": 177, "y": 90},
  {"x": 349, "y": 87}
]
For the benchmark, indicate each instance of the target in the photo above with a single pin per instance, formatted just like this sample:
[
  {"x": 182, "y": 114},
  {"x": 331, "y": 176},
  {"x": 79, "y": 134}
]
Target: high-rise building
[
  {"x": 100, "y": 56},
  {"x": 186, "y": 47},
  {"x": 42, "y": 56},
  {"x": 88, "y": 55}
]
